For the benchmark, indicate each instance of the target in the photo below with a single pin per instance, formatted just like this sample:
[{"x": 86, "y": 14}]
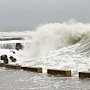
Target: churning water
[
  {"x": 59, "y": 46},
  {"x": 54, "y": 45},
  {"x": 22, "y": 80}
]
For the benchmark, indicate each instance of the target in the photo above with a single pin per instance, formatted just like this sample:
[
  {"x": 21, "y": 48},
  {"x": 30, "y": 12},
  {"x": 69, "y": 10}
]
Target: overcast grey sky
[{"x": 31, "y": 13}]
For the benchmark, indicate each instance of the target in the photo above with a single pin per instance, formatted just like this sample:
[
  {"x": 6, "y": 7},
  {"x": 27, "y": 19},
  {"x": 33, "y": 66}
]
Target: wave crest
[{"x": 54, "y": 36}]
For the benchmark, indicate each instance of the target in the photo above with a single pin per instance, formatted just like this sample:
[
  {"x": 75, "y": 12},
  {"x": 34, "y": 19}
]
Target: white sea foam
[
  {"x": 55, "y": 36},
  {"x": 59, "y": 46}
]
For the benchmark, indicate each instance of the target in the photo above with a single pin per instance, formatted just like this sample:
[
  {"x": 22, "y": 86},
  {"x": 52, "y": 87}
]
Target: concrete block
[
  {"x": 2, "y": 65},
  {"x": 17, "y": 67},
  {"x": 33, "y": 69},
  {"x": 84, "y": 74},
  {"x": 19, "y": 46},
  {"x": 4, "y": 58},
  {"x": 66, "y": 73}
]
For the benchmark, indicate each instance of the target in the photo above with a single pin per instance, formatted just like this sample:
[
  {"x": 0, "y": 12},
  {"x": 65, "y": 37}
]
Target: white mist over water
[
  {"x": 58, "y": 46},
  {"x": 51, "y": 37}
]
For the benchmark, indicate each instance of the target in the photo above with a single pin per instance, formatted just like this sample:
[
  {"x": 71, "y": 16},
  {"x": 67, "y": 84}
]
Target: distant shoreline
[{"x": 6, "y": 39}]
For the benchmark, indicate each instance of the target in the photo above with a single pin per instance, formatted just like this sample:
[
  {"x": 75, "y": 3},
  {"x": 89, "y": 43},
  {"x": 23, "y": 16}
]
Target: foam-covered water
[
  {"x": 56, "y": 45},
  {"x": 22, "y": 80}
]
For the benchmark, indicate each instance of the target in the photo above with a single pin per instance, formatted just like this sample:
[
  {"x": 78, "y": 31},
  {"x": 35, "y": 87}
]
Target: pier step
[
  {"x": 2, "y": 65},
  {"x": 84, "y": 74},
  {"x": 17, "y": 67},
  {"x": 66, "y": 73},
  {"x": 33, "y": 69}
]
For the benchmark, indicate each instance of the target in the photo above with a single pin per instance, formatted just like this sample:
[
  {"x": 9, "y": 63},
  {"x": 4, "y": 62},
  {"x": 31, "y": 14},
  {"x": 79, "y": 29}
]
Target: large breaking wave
[
  {"x": 54, "y": 36},
  {"x": 56, "y": 45}
]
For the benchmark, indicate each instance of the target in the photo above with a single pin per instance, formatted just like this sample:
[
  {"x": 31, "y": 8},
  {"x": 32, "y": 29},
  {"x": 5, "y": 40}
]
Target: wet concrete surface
[{"x": 23, "y": 80}]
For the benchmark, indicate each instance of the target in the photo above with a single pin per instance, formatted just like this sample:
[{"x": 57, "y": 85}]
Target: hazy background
[{"x": 28, "y": 14}]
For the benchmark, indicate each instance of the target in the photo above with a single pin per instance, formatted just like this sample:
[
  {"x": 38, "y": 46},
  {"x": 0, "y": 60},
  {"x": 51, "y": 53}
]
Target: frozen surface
[{"x": 22, "y": 80}]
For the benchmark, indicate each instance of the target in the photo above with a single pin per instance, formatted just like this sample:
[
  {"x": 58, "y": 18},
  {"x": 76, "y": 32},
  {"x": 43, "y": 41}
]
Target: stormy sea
[{"x": 64, "y": 46}]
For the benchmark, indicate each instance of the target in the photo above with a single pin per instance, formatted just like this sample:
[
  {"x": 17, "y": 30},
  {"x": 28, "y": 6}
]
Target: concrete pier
[
  {"x": 65, "y": 73},
  {"x": 33, "y": 69},
  {"x": 84, "y": 74},
  {"x": 17, "y": 67}
]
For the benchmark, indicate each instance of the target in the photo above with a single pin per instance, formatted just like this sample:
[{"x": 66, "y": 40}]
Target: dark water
[{"x": 22, "y": 80}]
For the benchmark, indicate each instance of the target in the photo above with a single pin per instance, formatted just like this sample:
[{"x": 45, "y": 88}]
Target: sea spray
[
  {"x": 60, "y": 46},
  {"x": 56, "y": 45},
  {"x": 54, "y": 36}
]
